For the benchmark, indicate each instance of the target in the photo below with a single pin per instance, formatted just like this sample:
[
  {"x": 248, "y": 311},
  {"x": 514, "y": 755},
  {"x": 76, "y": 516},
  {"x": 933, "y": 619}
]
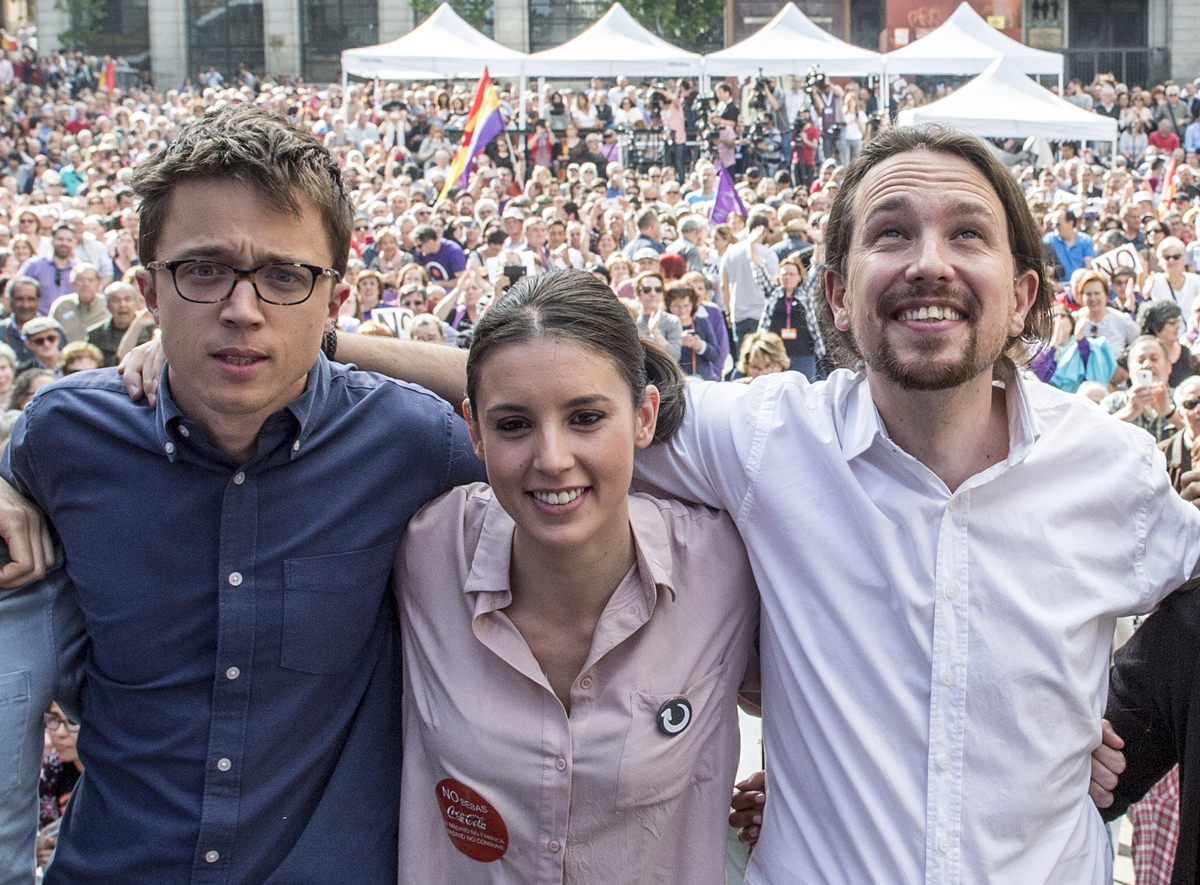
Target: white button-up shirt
[{"x": 934, "y": 663}]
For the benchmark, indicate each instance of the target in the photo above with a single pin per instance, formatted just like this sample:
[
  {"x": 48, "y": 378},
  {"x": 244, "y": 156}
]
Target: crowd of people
[{"x": 619, "y": 182}]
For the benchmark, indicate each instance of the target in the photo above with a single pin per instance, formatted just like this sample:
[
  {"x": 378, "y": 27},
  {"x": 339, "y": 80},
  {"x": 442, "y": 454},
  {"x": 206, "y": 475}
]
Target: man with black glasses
[{"x": 241, "y": 709}]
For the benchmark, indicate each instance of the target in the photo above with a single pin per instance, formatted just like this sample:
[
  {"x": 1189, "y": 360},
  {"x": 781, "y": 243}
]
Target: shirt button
[
  {"x": 553, "y": 845},
  {"x": 184, "y": 432},
  {"x": 224, "y": 765},
  {"x": 170, "y": 447},
  {"x": 561, "y": 764},
  {"x": 948, "y": 677},
  {"x": 235, "y": 579},
  {"x": 953, "y": 505},
  {"x": 239, "y": 478},
  {"x": 233, "y": 673},
  {"x": 212, "y": 857},
  {"x": 944, "y": 845},
  {"x": 951, "y": 591},
  {"x": 585, "y": 682},
  {"x": 944, "y": 763},
  {"x": 296, "y": 446}
]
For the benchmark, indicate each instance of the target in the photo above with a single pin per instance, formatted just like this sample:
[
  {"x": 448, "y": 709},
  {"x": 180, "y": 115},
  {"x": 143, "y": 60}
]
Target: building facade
[{"x": 1141, "y": 41}]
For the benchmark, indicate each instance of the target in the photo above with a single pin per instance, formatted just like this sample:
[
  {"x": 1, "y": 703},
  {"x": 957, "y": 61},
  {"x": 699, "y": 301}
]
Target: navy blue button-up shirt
[{"x": 241, "y": 719}]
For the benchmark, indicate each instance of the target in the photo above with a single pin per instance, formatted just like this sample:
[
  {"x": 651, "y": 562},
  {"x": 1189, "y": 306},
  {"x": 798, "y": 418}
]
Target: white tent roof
[
  {"x": 616, "y": 44},
  {"x": 966, "y": 44},
  {"x": 1002, "y": 102},
  {"x": 443, "y": 46},
  {"x": 788, "y": 44}
]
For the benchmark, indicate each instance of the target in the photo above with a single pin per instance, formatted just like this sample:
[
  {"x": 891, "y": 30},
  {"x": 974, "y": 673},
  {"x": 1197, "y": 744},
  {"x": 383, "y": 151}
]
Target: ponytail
[{"x": 664, "y": 373}]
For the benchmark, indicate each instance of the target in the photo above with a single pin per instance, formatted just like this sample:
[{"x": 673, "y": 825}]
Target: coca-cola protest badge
[{"x": 472, "y": 823}]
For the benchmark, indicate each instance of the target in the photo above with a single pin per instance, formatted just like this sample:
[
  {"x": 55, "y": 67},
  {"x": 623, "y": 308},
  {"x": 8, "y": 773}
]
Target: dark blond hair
[{"x": 255, "y": 147}]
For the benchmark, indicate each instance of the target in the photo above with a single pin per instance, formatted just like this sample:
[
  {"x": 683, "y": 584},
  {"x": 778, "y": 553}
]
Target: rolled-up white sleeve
[{"x": 710, "y": 459}]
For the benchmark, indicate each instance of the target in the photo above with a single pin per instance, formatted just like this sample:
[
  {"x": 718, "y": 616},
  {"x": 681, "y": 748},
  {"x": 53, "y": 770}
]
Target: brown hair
[
  {"x": 575, "y": 306},
  {"x": 255, "y": 147},
  {"x": 1024, "y": 237},
  {"x": 682, "y": 290}
]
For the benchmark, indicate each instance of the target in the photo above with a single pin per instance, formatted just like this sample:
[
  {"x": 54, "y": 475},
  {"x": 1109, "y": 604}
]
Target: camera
[
  {"x": 813, "y": 80},
  {"x": 656, "y": 97},
  {"x": 758, "y": 101}
]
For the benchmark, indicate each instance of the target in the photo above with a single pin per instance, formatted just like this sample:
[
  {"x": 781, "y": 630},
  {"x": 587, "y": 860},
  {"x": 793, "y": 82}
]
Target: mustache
[{"x": 960, "y": 299}]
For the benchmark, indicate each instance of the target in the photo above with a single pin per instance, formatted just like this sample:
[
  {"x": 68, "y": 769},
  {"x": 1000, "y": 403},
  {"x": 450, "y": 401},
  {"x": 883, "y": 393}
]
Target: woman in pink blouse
[{"x": 572, "y": 652}]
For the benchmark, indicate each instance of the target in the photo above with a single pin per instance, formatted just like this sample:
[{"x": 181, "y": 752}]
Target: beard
[{"x": 930, "y": 370}]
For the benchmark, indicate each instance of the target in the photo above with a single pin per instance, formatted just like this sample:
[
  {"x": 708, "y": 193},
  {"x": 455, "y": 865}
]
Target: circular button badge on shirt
[
  {"x": 674, "y": 716},
  {"x": 472, "y": 823}
]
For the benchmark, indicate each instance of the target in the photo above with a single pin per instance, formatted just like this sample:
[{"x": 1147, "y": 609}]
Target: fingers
[
  {"x": 21, "y": 527},
  {"x": 1100, "y": 797},
  {"x": 1107, "y": 764},
  {"x": 748, "y": 836},
  {"x": 1109, "y": 736},
  {"x": 757, "y": 782}
]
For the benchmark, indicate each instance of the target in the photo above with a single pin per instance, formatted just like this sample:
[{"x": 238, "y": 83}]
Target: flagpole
[{"x": 513, "y": 154}]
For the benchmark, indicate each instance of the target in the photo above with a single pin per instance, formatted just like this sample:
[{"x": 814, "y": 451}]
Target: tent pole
[
  {"x": 885, "y": 91},
  {"x": 541, "y": 98},
  {"x": 522, "y": 87}
]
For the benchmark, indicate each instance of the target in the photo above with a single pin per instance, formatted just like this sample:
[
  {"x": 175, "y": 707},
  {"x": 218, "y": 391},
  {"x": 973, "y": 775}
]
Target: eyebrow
[
  {"x": 963, "y": 209},
  {"x": 574, "y": 403}
]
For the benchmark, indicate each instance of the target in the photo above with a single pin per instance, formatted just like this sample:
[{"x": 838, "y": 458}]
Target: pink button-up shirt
[{"x": 499, "y": 784}]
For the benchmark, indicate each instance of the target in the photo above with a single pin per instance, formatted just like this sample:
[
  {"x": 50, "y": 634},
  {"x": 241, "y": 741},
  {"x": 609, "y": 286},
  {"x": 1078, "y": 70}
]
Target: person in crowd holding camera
[{"x": 827, "y": 99}]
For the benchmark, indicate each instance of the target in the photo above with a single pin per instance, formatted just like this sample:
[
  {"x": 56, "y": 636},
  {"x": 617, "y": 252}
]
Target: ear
[
  {"x": 340, "y": 293},
  {"x": 1025, "y": 291},
  {"x": 835, "y": 294},
  {"x": 646, "y": 418},
  {"x": 144, "y": 280},
  {"x": 473, "y": 430}
]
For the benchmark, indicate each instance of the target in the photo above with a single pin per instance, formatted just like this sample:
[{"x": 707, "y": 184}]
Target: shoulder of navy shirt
[{"x": 242, "y": 695}]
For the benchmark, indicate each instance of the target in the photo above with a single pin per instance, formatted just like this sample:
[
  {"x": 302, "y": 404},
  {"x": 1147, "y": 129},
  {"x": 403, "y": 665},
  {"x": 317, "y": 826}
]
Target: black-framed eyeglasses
[
  {"x": 203, "y": 281},
  {"x": 52, "y": 723},
  {"x": 44, "y": 339},
  {"x": 1188, "y": 404},
  {"x": 1174, "y": 257}
]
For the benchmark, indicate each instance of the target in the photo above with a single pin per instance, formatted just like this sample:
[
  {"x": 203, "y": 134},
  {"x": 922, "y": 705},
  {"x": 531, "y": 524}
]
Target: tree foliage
[
  {"x": 86, "y": 18},
  {"x": 473, "y": 12},
  {"x": 695, "y": 25}
]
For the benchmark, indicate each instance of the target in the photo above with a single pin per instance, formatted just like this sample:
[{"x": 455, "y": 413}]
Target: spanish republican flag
[
  {"x": 1167, "y": 189},
  {"x": 484, "y": 123}
]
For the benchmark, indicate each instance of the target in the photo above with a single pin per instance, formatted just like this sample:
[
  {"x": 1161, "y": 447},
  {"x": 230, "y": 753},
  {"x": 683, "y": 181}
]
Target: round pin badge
[
  {"x": 674, "y": 716},
  {"x": 472, "y": 823}
]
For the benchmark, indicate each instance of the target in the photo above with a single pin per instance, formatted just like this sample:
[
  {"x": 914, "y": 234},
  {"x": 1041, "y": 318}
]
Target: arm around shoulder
[{"x": 435, "y": 367}]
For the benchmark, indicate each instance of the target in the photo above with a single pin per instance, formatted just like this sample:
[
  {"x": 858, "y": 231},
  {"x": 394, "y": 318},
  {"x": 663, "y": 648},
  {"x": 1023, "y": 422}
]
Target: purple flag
[{"x": 726, "y": 199}]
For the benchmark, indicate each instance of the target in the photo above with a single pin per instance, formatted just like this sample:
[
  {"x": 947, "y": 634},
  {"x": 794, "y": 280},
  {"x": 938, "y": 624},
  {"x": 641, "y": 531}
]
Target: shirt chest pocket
[
  {"x": 657, "y": 766},
  {"x": 330, "y": 607}
]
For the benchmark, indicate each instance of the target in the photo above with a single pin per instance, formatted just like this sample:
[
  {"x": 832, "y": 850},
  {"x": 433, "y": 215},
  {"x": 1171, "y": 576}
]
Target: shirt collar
[
  {"x": 306, "y": 409},
  {"x": 489, "y": 574},
  {"x": 862, "y": 424}
]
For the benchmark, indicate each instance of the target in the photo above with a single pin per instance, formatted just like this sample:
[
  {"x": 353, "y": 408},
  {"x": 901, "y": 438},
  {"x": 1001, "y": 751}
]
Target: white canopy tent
[
  {"x": 788, "y": 44},
  {"x": 966, "y": 44},
  {"x": 616, "y": 44},
  {"x": 1003, "y": 102},
  {"x": 442, "y": 46}
]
